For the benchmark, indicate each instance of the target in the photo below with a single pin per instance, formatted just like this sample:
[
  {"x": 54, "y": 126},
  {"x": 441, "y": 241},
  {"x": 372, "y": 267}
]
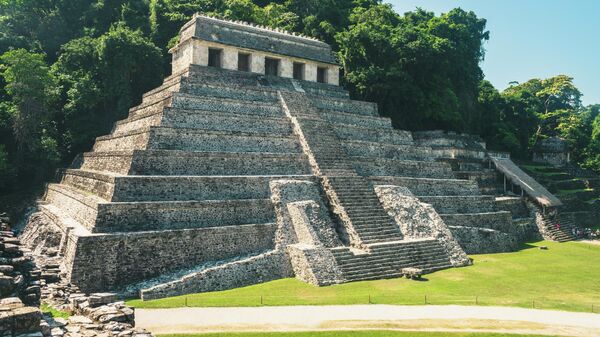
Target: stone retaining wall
[
  {"x": 461, "y": 204},
  {"x": 484, "y": 240},
  {"x": 499, "y": 221},
  {"x": 173, "y": 188},
  {"x": 390, "y": 167},
  {"x": 190, "y": 163},
  {"x": 219, "y": 121},
  {"x": 356, "y": 120},
  {"x": 147, "y": 216},
  {"x": 100, "y": 262},
  {"x": 428, "y": 186},
  {"x": 184, "y": 101},
  {"x": 256, "y": 269},
  {"x": 348, "y": 106},
  {"x": 349, "y": 132},
  {"x": 390, "y": 151}
]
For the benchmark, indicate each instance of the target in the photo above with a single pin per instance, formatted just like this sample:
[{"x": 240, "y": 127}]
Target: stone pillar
[
  {"x": 333, "y": 75},
  {"x": 310, "y": 72},
  {"x": 286, "y": 68},
  {"x": 257, "y": 63},
  {"x": 230, "y": 58},
  {"x": 200, "y": 54}
]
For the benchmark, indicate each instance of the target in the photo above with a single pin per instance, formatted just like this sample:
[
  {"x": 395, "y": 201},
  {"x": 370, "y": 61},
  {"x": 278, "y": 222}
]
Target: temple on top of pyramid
[
  {"x": 250, "y": 163},
  {"x": 232, "y": 45}
]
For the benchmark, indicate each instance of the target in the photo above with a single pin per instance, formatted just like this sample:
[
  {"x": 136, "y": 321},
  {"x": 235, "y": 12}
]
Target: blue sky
[{"x": 534, "y": 39}]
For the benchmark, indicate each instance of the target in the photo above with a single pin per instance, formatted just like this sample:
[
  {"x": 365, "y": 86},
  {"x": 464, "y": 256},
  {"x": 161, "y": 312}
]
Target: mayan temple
[{"x": 250, "y": 163}]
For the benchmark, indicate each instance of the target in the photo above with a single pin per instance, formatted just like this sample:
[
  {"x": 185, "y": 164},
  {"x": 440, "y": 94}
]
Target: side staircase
[{"x": 559, "y": 228}]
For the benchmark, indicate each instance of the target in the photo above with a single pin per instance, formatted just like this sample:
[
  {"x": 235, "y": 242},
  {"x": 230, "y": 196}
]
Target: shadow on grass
[{"x": 526, "y": 246}]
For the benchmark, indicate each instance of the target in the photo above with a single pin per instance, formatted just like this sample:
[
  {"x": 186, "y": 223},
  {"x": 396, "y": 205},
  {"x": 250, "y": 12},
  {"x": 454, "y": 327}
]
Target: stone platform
[{"x": 223, "y": 178}]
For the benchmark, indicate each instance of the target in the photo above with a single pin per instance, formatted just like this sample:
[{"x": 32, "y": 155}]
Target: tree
[
  {"x": 101, "y": 79},
  {"x": 46, "y": 25},
  {"x": 423, "y": 70},
  {"x": 32, "y": 90}
]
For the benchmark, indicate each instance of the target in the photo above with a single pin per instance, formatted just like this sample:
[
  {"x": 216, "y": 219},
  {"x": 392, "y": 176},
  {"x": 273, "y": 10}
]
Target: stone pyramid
[{"x": 222, "y": 178}]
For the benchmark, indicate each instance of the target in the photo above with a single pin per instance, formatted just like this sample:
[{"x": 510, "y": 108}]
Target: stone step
[
  {"x": 134, "y": 123},
  {"x": 172, "y": 188},
  {"x": 191, "y": 102},
  {"x": 372, "y": 232},
  {"x": 428, "y": 251},
  {"x": 423, "y": 244},
  {"x": 385, "y": 136},
  {"x": 100, "y": 216},
  {"x": 389, "y": 151},
  {"x": 346, "y": 106},
  {"x": 515, "y": 205},
  {"x": 74, "y": 203},
  {"x": 402, "y": 168},
  {"x": 246, "y": 93},
  {"x": 101, "y": 184},
  {"x": 388, "y": 263},
  {"x": 169, "y": 84},
  {"x": 365, "y": 200},
  {"x": 150, "y": 108},
  {"x": 132, "y": 140},
  {"x": 339, "y": 172},
  {"x": 393, "y": 264},
  {"x": 500, "y": 221},
  {"x": 166, "y": 90},
  {"x": 426, "y": 269},
  {"x": 374, "y": 261},
  {"x": 481, "y": 177},
  {"x": 163, "y": 138},
  {"x": 460, "y": 153},
  {"x": 144, "y": 216},
  {"x": 356, "y": 120},
  {"x": 461, "y": 204},
  {"x": 431, "y": 186},
  {"x": 153, "y": 162},
  {"x": 357, "y": 209},
  {"x": 223, "y": 77},
  {"x": 386, "y": 260},
  {"x": 329, "y": 92},
  {"x": 225, "y": 121},
  {"x": 345, "y": 186}
]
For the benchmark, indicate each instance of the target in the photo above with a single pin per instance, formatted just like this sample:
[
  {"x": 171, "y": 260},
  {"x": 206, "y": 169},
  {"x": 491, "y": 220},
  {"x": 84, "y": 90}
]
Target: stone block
[
  {"x": 11, "y": 303},
  {"x": 98, "y": 299}
]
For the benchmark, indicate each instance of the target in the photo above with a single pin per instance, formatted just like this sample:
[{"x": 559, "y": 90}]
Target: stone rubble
[
  {"x": 96, "y": 314},
  {"x": 19, "y": 286},
  {"x": 29, "y": 278}
]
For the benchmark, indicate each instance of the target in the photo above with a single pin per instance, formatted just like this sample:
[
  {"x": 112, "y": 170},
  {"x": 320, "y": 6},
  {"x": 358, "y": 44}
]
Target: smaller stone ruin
[{"x": 553, "y": 151}]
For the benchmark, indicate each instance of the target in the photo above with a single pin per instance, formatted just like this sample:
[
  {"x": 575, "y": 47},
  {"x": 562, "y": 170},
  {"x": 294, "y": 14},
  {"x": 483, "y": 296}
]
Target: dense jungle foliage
[{"x": 71, "y": 68}]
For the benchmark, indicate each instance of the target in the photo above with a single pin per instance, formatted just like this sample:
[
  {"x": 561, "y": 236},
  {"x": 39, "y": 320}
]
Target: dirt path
[
  {"x": 362, "y": 317},
  {"x": 591, "y": 242}
]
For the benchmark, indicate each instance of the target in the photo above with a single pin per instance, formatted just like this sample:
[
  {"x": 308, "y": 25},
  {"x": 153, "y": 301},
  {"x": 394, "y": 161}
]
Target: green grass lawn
[
  {"x": 566, "y": 277},
  {"x": 351, "y": 334},
  {"x": 48, "y": 310},
  {"x": 568, "y": 192}
]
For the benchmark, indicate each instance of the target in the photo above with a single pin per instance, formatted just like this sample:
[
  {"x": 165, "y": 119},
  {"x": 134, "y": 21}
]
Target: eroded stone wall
[
  {"x": 111, "y": 261},
  {"x": 418, "y": 220}
]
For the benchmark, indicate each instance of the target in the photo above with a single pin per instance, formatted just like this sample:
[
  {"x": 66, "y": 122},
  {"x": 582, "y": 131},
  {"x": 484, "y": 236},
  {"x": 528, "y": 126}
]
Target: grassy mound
[{"x": 565, "y": 277}]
